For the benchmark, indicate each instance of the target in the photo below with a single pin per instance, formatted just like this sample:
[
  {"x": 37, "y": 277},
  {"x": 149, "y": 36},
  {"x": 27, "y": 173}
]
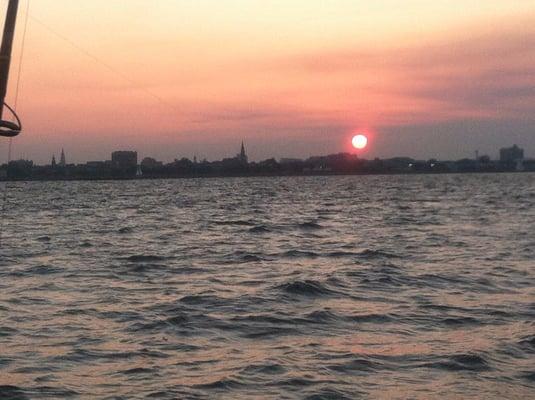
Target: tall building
[
  {"x": 62, "y": 162},
  {"x": 53, "y": 163},
  {"x": 511, "y": 154},
  {"x": 242, "y": 157},
  {"x": 125, "y": 160}
]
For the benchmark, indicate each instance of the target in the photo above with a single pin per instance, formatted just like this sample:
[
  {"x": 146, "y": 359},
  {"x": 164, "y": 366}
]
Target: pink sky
[{"x": 292, "y": 78}]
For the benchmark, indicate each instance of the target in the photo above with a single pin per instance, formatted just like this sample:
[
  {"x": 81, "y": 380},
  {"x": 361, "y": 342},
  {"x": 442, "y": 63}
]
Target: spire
[
  {"x": 62, "y": 161},
  {"x": 53, "y": 160},
  {"x": 243, "y": 155}
]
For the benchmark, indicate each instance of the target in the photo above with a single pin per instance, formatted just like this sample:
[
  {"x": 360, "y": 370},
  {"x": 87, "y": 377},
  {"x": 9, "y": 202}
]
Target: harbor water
[{"x": 360, "y": 287}]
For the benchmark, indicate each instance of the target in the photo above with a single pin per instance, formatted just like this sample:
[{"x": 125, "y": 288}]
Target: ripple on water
[
  {"x": 333, "y": 394},
  {"x": 318, "y": 288},
  {"x": 6, "y": 331},
  {"x": 44, "y": 270},
  {"x": 260, "y": 229},
  {"x": 264, "y": 369},
  {"x": 8, "y": 392},
  {"x": 145, "y": 258},
  {"x": 357, "y": 366},
  {"x": 310, "y": 226},
  {"x": 299, "y": 254},
  {"x": 307, "y": 288},
  {"x": 461, "y": 362}
]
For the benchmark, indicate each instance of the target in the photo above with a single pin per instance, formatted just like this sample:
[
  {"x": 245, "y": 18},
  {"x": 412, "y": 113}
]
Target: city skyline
[
  {"x": 421, "y": 78},
  {"x": 244, "y": 155},
  {"x": 509, "y": 154},
  {"x": 125, "y": 164}
]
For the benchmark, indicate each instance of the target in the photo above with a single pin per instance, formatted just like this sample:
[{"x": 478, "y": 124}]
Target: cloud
[{"x": 488, "y": 75}]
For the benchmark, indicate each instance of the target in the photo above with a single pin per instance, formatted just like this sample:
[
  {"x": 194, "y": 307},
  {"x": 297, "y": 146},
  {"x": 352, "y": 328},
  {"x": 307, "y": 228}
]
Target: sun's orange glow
[
  {"x": 360, "y": 142},
  {"x": 128, "y": 72}
]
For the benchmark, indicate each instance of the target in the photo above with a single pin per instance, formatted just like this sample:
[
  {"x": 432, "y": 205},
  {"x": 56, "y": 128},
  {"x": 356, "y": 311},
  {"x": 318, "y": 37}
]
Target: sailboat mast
[{"x": 6, "y": 49}]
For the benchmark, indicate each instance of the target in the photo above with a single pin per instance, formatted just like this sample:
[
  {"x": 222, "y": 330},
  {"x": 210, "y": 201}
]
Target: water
[{"x": 279, "y": 288}]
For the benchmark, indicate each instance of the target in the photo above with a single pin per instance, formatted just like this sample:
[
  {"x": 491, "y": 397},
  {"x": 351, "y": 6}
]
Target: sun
[{"x": 360, "y": 142}]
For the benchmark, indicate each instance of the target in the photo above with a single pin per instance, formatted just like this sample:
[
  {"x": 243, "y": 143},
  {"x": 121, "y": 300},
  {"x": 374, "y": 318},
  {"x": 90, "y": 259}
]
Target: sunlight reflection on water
[{"x": 342, "y": 287}]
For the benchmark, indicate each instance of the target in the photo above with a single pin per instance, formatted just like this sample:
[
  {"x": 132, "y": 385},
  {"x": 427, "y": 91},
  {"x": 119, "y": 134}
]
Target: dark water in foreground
[{"x": 294, "y": 288}]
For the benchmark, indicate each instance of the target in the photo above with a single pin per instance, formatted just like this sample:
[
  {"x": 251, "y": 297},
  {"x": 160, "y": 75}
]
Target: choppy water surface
[{"x": 279, "y": 288}]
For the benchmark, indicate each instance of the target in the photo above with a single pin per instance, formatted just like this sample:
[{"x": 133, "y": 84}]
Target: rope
[
  {"x": 21, "y": 59},
  {"x": 7, "y": 187}
]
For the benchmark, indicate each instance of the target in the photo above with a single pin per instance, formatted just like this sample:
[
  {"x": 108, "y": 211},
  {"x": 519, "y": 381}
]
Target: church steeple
[
  {"x": 243, "y": 155},
  {"x": 62, "y": 161},
  {"x": 53, "y": 164}
]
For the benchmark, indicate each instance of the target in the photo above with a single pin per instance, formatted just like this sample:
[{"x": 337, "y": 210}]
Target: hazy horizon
[{"x": 178, "y": 78}]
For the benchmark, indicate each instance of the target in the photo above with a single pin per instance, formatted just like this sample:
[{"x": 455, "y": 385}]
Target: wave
[
  {"x": 322, "y": 317},
  {"x": 310, "y": 226},
  {"x": 243, "y": 257},
  {"x": 260, "y": 229},
  {"x": 305, "y": 288},
  {"x": 44, "y": 270},
  {"x": 264, "y": 369},
  {"x": 146, "y": 267},
  {"x": 528, "y": 376},
  {"x": 262, "y": 318},
  {"x": 461, "y": 362},
  {"x": 6, "y": 331},
  {"x": 331, "y": 395},
  {"x": 356, "y": 366},
  {"x": 138, "y": 371},
  {"x": 460, "y": 321},
  {"x": 373, "y": 254},
  {"x": 221, "y": 384},
  {"x": 8, "y": 392},
  {"x": 527, "y": 344},
  {"x": 199, "y": 299},
  {"x": 299, "y": 254},
  {"x": 234, "y": 223},
  {"x": 83, "y": 355},
  {"x": 372, "y": 318},
  {"x": 342, "y": 254},
  {"x": 268, "y": 332},
  {"x": 145, "y": 258}
]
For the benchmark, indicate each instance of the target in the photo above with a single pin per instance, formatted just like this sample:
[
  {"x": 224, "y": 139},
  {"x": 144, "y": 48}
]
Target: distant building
[
  {"x": 53, "y": 163},
  {"x": 511, "y": 155},
  {"x": 62, "y": 161},
  {"x": 149, "y": 163},
  {"x": 290, "y": 160},
  {"x": 20, "y": 169},
  {"x": 95, "y": 164},
  {"x": 484, "y": 159},
  {"x": 528, "y": 165},
  {"x": 242, "y": 157},
  {"x": 124, "y": 160}
]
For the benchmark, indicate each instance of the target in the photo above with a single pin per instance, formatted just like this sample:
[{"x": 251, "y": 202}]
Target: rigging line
[
  {"x": 15, "y": 104},
  {"x": 104, "y": 64},
  {"x": 21, "y": 58}
]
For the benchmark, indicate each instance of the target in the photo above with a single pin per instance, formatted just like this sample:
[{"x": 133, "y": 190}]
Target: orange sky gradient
[{"x": 174, "y": 78}]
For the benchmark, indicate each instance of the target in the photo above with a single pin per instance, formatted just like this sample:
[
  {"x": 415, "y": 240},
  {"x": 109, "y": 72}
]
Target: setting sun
[{"x": 360, "y": 142}]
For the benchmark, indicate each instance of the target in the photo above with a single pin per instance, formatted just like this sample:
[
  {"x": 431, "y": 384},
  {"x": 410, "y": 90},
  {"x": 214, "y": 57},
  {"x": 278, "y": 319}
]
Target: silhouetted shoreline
[
  {"x": 229, "y": 176},
  {"x": 124, "y": 165}
]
